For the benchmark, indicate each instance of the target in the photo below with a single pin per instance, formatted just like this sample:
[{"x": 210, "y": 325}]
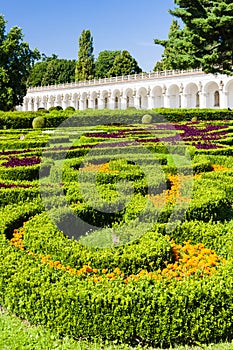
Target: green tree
[
  {"x": 178, "y": 50},
  {"x": 16, "y": 59},
  {"x": 52, "y": 70},
  {"x": 104, "y": 63},
  {"x": 37, "y": 73},
  {"x": 85, "y": 63},
  {"x": 210, "y": 27},
  {"x": 124, "y": 64}
]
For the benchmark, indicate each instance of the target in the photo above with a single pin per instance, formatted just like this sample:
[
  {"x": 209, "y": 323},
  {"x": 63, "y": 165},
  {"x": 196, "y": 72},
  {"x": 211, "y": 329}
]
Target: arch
[
  {"x": 75, "y": 98},
  {"x": 25, "y": 104},
  {"x": 191, "y": 96},
  {"x": 85, "y": 100},
  {"x": 143, "y": 98},
  {"x": 37, "y": 103},
  {"x": 105, "y": 99},
  {"x": 116, "y": 96},
  {"x": 229, "y": 92},
  {"x": 44, "y": 102},
  {"x": 173, "y": 93},
  {"x": 94, "y": 99},
  {"x": 212, "y": 94},
  {"x": 129, "y": 98},
  {"x": 157, "y": 94},
  {"x": 58, "y": 100}
]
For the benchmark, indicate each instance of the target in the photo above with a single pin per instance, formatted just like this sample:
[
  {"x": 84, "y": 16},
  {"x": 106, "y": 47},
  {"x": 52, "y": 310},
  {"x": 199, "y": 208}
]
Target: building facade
[{"x": 168, "y": 89}]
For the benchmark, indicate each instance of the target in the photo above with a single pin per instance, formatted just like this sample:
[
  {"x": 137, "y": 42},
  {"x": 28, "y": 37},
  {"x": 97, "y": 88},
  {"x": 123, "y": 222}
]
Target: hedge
[
  {"x": 152, "y": 312},
  {"x": 15, "y": 120}
]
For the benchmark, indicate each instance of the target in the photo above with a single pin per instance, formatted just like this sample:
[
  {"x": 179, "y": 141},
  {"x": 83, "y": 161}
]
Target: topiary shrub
[
  {"x": 194, "y": 119},
  {"x": 70, "y": 108},
  {"x": 146, "y": 119},
  {"x": 56, "y": 108},
  {"x": 38, "y": 123}
]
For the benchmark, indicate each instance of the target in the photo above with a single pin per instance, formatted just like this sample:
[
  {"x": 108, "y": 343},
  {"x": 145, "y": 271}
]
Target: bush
[
  {"x": 194, "y": 119},
  {"x": 38, "y": 123},
  {"x": 42, "y": 109},
  {"x": 56, "y": 108},
  {"x": 70, "y": 108},
  {"x": 155, "y": 312},
  {"x": 146, "y": 119}
]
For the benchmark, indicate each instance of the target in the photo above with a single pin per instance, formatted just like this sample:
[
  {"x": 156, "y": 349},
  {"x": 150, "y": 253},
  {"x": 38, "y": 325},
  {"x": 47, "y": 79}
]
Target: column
[
  {"x": 30, "y": 105},
  {"x": 123, "y": 102},
  {"x": 202, "y": 99},
  {"x": 166, "y": 102},
  {"x": 25, "y": 104},
  {"x": 183, "y": 100},
  {"x": 136, "y": 101}
]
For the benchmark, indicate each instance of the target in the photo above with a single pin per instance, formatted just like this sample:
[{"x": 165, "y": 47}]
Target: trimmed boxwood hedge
[
  {"x": 14, "y": 120},
  {"x": 154, "y": 312}
]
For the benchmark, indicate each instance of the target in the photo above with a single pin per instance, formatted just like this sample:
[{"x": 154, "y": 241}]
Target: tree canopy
[
  {"x": 16, "y": 59},
  {"x": 104, "y": 62},
  {"x": 207, "y": 35},
  {"x": 178, "y": 50},
  {"x": 85, "y": 63},
  {"x": 52, "y": 70},
  {"x": 124, "y": 64}
]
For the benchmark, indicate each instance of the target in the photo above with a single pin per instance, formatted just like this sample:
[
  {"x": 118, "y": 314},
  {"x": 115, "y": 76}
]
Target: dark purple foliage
[
  {"x": 26, "y": 161},
  {"x": 2, "y": 185}
]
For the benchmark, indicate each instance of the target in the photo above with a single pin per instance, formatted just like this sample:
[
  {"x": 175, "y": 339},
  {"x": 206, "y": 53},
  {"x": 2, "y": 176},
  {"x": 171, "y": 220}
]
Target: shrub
[
  {"x": 38, "y": 123},
  {"x": 56, "y": 108},
  {"x": 42, "y": 109},
  {"x": 70, "y": 108},
  {"x": 146, "y": 119}
]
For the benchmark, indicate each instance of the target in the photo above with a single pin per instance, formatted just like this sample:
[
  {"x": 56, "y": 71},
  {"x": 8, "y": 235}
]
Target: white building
[{"x": 168, "y": 89}]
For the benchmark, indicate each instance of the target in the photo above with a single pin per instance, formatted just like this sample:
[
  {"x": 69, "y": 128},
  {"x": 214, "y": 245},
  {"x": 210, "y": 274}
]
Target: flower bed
[{"x": 150, "y": 284}]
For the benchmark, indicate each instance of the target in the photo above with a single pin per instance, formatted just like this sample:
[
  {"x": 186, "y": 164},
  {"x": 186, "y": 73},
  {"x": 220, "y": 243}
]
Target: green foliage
[
  {"x": 85, "y": 64},
  {"x": 14, "y": 215},
  {"x": 208, "y": 31},
  {"x": 16, "y": 195},
  {"x": 146, "y": 119},
  {"x": 153, "y": 312},
  {"x": 38, "y": 123},
  {"x": 150, "y": 252},
  {"x": 16, "y": 59},
  {"x": 104, "y": 63},
  {"x": 178, "y": 50},
  {"x": 55, "y": 108},
  {"x": 184, "y": 312},
  {"x": 52, "y": 70},
  {"x": 124, "y": 64},
  {"x": 17, "y": 120},
  {"x": 20, "y": 172},
  {"x": 16, "y": 333},
  {"x": 70, "y": 108}
]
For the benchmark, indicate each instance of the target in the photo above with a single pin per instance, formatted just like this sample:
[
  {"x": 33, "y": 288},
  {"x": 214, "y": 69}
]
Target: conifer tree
[
  {"x": 85, "y": 64},
  {"x": 209, "y": 25},
  {"x": 178, "y": 50}
]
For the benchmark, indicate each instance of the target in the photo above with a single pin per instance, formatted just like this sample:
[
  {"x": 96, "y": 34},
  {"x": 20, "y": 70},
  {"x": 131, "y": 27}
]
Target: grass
[{"x": 17, "y": 334}]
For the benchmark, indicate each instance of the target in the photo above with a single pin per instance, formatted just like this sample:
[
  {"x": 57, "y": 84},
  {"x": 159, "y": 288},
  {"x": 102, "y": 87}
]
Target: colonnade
[{"x": 169, "y": 89}]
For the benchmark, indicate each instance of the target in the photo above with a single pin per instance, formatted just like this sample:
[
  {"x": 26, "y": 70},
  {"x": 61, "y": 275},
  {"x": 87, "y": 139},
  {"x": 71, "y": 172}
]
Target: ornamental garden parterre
[{"x": 159, "y": 269}]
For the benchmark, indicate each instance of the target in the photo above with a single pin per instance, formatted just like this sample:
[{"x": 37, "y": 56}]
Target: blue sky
[{"x": 53, "y": 26}]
